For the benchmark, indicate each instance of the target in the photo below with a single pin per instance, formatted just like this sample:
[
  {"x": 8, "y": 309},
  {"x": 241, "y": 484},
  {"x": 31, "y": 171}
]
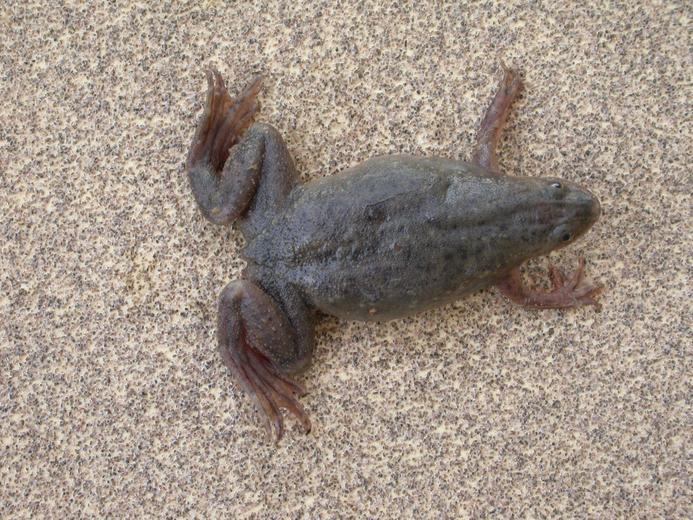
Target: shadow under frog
[{"x": 390, "y": 237}]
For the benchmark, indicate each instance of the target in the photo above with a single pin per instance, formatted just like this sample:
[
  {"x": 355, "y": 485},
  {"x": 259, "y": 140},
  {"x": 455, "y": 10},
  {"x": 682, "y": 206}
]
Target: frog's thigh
[
  {"x": 485, "y": 151},
  {"x": 257, "y": 344},
  {"x": 264, "y": 156}
]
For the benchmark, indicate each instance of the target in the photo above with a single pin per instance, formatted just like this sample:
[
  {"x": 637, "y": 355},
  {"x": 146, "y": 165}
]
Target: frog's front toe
[
  {"x": 565, "y": 293},
  {"x": 573, "y": 292}
]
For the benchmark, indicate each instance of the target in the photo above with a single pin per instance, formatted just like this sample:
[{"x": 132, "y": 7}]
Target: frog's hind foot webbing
[
  {"x": 565, "y": 293},
  {"x": 223, "y": 121},
  {"x": 255, "y": 340},
  {"x": 221, "y": 192},
  {"x": 485, "y": 151}
]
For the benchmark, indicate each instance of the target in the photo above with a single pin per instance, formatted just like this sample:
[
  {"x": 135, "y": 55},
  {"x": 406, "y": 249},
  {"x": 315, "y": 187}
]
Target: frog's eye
[
  {"x": 556, "y": 185},
  {"x": 565, "y": 237}
]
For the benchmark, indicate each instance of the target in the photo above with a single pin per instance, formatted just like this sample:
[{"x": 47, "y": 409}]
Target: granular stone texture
[{"x": 113, "y": 399}]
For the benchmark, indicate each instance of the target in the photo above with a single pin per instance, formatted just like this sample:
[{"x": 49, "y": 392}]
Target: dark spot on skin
[{"x": 376, "y": 213}]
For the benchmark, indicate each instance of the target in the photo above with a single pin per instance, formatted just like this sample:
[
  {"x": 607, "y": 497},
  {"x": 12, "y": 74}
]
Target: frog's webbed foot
[
  {"x": 566, "y": 292},
  {"x": 221, "y": 194},
  {"x": 485, "y": 153},
  {"x": 269, "y": 389},
  {"x": 223, "y": 121},
  {"x": 234, "y": 166},
  {"x": 256, "y": 342}
]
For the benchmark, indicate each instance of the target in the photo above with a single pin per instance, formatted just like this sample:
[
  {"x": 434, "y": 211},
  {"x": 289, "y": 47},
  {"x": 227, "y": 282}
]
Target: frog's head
[{"x": 564, "y": 212}]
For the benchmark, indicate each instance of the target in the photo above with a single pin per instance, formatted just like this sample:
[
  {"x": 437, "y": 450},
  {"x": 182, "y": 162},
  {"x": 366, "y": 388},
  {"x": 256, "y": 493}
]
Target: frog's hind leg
[
  {"x": 260, "y": 346},
  {"x": 221, "y": 195},
  {"x": 237, "y": 173},
  {"x": 492, "y": 125},
  {"x": 223, "y": 121}
]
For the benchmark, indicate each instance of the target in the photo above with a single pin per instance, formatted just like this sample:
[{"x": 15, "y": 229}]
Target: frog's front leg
[
  {"x": 566, "y": 293},
  {"x": 260, "y": 343},
  {"x": 491, "y": 128}
]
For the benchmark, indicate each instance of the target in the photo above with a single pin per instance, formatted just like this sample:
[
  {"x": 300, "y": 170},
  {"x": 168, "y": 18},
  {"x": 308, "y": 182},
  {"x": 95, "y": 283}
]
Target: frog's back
[{"x": 380, "y": 241}]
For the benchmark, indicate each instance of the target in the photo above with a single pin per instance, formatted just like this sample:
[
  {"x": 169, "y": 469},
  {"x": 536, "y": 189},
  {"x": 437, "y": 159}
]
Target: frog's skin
[{"x": 390, "y": 237}]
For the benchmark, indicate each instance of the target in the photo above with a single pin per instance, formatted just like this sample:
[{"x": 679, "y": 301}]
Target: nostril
[{"x": 565, "y": 237}]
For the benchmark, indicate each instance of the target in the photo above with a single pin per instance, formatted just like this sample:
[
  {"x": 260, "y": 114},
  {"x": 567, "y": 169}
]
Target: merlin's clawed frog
[{"x": 390, "y": 237}]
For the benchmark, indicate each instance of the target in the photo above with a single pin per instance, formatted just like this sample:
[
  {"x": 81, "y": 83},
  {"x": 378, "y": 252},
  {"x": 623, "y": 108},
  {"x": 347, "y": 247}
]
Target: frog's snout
[
  {"x": 577, "y": 209},
  {"x": 581, "y": 211},
  {"x": 590, "y": 208},
  {"x": 596, "y": 208}
]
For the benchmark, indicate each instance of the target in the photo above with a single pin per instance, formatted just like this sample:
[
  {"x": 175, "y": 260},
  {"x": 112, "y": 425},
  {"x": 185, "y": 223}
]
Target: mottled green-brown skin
[
  {"x": 399, "y": 234},
  {"x": 390, "y": 237}
]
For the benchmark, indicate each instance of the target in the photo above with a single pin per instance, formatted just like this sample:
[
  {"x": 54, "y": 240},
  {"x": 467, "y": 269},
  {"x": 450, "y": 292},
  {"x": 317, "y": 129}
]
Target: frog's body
[
  {"x": 390, "y": 237},
  {"x": 399, "y": 234}
]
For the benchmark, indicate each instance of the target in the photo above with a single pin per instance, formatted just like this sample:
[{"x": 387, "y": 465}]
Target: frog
[{"x": 393, "y": 236}]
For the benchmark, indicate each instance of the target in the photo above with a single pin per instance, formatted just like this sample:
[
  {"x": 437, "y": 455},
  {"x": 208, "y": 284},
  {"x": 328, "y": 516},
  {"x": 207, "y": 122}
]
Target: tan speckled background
[{"x": 113, "y": 400}]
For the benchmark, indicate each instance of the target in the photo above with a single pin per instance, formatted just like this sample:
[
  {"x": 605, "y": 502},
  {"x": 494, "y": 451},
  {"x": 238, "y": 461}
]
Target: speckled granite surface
[{"x": 113, "y": 400}]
